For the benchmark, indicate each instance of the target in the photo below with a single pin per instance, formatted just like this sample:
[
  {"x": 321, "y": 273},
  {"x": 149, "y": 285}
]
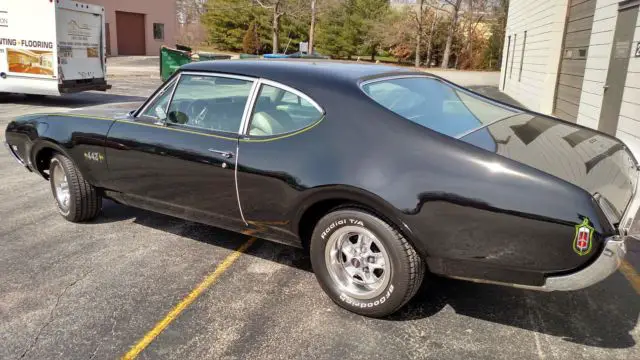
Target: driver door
[{"x": 177, "y": 155}]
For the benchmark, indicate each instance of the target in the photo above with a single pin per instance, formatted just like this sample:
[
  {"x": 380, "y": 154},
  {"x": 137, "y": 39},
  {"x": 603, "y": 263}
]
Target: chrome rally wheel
[
  {"x": 363, "y": 263},
  {"x": 60, "y": 186},
  {"x": 77, "y": 199},
  {"x": 358, "y": 262}
]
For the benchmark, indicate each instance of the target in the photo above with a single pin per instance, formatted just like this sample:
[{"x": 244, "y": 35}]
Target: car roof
[{"x": 298, "y": 70}]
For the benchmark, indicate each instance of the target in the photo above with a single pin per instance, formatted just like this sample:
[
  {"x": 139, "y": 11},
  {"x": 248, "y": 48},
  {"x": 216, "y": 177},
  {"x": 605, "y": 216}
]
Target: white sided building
[{"x": 578, "y": 60}]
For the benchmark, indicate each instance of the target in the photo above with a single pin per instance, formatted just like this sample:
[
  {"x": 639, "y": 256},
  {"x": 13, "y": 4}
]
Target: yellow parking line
[
  {"x": 630, "y": 273},
  {"x": 182, "y": 305}
]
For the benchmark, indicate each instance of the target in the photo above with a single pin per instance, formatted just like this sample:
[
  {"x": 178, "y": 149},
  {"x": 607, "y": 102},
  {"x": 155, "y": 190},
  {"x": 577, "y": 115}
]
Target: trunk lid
[{"x": 594, "y": 161}]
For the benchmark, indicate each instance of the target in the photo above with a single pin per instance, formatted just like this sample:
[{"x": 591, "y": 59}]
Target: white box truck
[{"x": 51, "y": 47}]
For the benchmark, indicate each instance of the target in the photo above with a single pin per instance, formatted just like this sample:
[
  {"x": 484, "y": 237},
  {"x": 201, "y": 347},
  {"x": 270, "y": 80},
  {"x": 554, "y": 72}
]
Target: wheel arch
[
  {"x": 324, "y": 200},
  {"x": 43, "y": 151}
]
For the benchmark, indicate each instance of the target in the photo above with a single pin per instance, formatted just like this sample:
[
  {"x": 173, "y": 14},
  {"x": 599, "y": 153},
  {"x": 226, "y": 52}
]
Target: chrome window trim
[
  {"x": 292, "y": 90},
  {"x": 216, "y": 74},
  {"x": 258, "y": 86},
  {"x": 157, "y": 94},
  {"x": 253, "y": 82},
  {"x": 394, "y": 77},
  {"x": 248, "y": 109}
]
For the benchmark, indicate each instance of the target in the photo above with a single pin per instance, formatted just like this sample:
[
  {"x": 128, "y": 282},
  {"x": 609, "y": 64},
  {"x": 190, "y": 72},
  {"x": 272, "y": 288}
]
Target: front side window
[
  {"x": 435, "y": 105},
  {"x": 209, "y": 102},
  {"x": 278, "y": 111}
]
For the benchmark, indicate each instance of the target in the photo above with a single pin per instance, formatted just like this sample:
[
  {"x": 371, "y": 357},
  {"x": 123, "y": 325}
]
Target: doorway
[
  {"x": 130, "y": 33},
  {"x": 618, "y": 66}
]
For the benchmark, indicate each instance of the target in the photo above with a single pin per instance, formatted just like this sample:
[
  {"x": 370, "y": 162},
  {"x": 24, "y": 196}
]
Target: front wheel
[
  {"x": 364, "y": 264},
  {"x": 77, "y": 200}
]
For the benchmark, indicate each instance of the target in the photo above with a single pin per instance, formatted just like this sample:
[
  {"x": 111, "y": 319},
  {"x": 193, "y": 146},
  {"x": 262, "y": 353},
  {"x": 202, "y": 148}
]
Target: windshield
[{"x": 435, "y": 104}]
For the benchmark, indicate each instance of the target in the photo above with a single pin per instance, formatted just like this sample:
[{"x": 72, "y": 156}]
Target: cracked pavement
[{"x": 90, "y": 291}]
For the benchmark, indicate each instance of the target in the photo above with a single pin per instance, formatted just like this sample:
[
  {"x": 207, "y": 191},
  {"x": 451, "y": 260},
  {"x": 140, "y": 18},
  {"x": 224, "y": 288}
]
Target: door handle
[{"x": 224, "y": 154}]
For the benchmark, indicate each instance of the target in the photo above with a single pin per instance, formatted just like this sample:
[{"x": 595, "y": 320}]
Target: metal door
[
  {"x": 130, "y": 33},
  {"x": 574, "y": 59},
  {"x": 618, "y": 66}
]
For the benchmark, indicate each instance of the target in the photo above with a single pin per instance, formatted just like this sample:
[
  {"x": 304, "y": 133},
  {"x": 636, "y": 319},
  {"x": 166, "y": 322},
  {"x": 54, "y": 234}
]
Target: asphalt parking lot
[{"x": 94, "y": 290}]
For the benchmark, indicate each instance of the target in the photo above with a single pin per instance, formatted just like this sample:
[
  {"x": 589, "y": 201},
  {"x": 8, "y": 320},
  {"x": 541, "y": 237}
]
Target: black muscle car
[{"x": 381, "y": 173}]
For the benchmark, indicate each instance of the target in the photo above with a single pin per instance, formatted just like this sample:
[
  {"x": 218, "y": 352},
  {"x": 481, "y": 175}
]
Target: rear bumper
[
  {"x": 606, "y": 264},
  {"x": 72, "y": 86}
]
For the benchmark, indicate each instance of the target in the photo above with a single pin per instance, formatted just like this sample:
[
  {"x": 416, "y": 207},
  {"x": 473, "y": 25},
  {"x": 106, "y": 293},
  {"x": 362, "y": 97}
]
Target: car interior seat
[{"x": 263, "y": 124}]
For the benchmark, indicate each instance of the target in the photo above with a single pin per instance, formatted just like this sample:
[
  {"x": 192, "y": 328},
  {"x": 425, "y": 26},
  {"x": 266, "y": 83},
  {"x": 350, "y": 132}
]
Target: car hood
[
  {"x": 111, "y": 111},
  {"x": 594, "y": 161}
]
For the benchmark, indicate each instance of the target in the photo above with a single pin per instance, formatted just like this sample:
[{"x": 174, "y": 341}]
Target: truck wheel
[
  {"x": 77, "y": 200},
  {"x": 364, "y": 264}
]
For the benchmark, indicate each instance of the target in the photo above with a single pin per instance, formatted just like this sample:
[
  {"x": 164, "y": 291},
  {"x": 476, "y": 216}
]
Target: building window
[
  {"x": 524, "y": 43},
  {"x": 158, "y": 31}
]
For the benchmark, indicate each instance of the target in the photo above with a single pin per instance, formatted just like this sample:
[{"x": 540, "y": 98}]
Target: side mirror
[{"x": 178, "y": 117}]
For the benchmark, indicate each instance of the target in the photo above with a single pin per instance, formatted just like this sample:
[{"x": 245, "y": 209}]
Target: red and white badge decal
[{"x": 583, "y": 239}]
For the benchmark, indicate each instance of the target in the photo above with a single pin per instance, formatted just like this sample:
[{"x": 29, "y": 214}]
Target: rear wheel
[
  {"x": 77, "y": 200},
  {"x": 364, "y": 264}
]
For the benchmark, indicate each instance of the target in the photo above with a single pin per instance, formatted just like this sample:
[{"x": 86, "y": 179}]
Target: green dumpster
[
  {"x": 171, "y": 60},
  {"x": 249, "y": 56},
  {"x": 206, "y": 56}
]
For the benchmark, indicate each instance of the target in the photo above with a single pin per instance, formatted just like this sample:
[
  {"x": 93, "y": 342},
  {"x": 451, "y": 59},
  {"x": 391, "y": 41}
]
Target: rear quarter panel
[{"x": 454, "y": 201}]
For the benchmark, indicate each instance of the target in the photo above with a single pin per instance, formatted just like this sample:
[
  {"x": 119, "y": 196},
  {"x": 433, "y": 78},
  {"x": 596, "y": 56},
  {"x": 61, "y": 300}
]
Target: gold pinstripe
[{"x": 195, "y": 132}]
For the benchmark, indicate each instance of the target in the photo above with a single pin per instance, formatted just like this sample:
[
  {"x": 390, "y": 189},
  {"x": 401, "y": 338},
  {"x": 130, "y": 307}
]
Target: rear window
[{"x": 435, "y": 105}]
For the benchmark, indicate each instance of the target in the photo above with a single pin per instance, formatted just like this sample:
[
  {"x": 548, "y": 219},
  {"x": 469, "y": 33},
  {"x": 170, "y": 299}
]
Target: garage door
[
  {"x": 130, "y": 33},
  {"x": 574, "y": 58}
]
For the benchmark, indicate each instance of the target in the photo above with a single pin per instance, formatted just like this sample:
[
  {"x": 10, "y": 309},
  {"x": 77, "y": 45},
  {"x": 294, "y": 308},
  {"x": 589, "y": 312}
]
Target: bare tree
[
  {"x": 419, "y": 16},
  {"x": 434, "y": 21},
  {"x": 189, "y": 11},
  {"x": 279, "y": 8},
  {"x": 312, "y": 26},
  {"x": 454, "y": 23}
]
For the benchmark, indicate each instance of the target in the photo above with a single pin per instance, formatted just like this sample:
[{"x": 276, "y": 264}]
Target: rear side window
[
  {"x": 435, "y": 105},
  {"x": 278, "y": 111}
]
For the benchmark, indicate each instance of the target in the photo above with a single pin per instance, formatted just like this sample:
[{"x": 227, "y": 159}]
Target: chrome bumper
[
  {"x": 631, "y": 211},
  {"x": 606, "y": 264},
  {"x": 13, "y": 154}
]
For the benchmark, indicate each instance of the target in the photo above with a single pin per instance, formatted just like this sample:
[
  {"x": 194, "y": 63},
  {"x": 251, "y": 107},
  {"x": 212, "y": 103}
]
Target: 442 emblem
[
  {"x": 583, "y": 239},
  {"x": 94, "y": 156}
]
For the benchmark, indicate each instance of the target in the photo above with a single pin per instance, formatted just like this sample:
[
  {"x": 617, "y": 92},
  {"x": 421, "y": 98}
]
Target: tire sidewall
[
  {"x": 393, "y": 296},
  {"x": 72, "y": 203}
]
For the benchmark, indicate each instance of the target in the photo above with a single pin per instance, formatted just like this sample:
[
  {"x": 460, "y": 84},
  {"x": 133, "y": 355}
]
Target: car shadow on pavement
[
  {"x": 602, "y": 316},
  {"x": 71, "y": 101},
  {"x": 285, "y": 255}
]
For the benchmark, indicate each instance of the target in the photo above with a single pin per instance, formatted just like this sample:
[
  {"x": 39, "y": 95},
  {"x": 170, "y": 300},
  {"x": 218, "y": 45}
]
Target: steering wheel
[{"x": 197, "y": 112}]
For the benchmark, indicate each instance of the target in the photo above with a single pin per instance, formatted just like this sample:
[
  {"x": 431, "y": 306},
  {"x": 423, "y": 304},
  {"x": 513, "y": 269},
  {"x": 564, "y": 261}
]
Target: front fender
[{"x": 79, "y": 138}]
